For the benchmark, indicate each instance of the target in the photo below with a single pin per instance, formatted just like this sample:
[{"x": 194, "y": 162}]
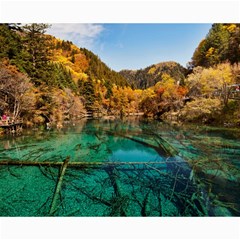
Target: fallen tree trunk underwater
[
  {"x": 79, "y": 164},
  {"x": 58, "y": 187}
]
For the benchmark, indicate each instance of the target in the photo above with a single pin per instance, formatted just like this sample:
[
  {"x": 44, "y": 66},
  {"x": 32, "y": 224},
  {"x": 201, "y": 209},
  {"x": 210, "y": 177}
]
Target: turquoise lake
[{"x": 124, "y": 167}]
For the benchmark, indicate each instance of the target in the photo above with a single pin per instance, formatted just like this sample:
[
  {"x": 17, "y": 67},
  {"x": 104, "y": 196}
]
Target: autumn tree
[
  {"x": 198, "y": 58},
  {"x": 236, "y": 72},
  {"x": 149, "y": 103},
  {"x": 119, "y": 101},
  {"x": 233, "y": 54},
  {"x": 66, "y": 106},
  {"x": 209, "y": 82},
  {"x": 204, "y": 110},
  {"x": 170, "y": 93},
  {"x": 221, "y": 44},
  {"x": 15, "y": 91},
  {"x": 164, "y": 96}
]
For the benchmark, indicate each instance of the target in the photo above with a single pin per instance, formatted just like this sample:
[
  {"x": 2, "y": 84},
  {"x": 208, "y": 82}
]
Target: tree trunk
[
  {"x": 58, "y": 187},
  {"x": 225, "y": 94}
]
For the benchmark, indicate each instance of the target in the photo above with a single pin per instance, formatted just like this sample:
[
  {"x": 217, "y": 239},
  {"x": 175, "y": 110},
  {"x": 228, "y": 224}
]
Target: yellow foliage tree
[{"x": 209, "y": 81}]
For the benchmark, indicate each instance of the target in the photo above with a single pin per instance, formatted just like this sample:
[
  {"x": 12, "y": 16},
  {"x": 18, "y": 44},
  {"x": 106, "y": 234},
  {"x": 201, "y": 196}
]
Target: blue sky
[{"x": 135, "y": 46}]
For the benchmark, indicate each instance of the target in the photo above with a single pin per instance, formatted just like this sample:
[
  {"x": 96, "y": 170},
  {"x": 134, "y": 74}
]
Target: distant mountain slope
[
  {"x": 83, "y": 64},
  {"x": 149, "y": 76},
  {"x": 43, "y": 57},
  {"x": 101, "y": 71}
]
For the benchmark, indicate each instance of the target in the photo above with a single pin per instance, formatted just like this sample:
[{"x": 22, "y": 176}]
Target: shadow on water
[{"x": 121, "y": 168}]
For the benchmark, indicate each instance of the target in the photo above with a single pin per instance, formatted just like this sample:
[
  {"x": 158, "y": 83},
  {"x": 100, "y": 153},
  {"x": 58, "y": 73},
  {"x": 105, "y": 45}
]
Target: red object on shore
[{"x": 4, "y": 117}]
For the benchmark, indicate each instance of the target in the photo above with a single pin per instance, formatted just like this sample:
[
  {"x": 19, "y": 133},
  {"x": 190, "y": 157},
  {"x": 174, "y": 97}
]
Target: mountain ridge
[{"x": 150, "y": 75}]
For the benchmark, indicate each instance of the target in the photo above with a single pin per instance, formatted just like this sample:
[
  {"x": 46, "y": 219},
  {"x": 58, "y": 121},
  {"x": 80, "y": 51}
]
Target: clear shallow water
[
  {"x": 143, "y": 169},
  {"x": 135, "y": 155}
]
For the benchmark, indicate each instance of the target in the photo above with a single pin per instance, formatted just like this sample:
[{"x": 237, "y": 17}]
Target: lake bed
[{"x": 125, "y": 167}]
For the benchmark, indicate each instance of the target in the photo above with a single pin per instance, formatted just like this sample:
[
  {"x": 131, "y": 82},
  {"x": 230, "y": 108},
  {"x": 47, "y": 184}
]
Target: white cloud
[{"x": 83, "y": 35}]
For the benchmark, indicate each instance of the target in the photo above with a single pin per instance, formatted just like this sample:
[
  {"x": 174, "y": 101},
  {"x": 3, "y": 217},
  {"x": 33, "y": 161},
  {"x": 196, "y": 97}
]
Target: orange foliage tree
[{"x": 16, "y": 93}]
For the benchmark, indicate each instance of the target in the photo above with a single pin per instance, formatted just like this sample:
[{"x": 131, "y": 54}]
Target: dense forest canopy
[
  {"x": 45, "y": 79},
  {"x": 220, "y": 45}
]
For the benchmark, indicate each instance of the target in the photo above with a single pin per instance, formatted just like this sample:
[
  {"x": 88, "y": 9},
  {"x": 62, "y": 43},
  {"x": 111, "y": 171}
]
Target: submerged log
[
  {"x": 58, "y": 187},
  {"x": 119, "y": 201},
  {"x": 145, "y": 206},
  {"x": 79, "y": 164}
]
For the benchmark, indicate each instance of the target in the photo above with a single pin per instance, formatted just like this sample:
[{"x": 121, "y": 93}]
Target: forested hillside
[
  {"x": 60, "y": 80},
  {"x": 214, "y": 73},
  {"x": 149, "y": 76},
  {"x": 220, "y": 45},
  {"x": 45, "y": 79}
]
